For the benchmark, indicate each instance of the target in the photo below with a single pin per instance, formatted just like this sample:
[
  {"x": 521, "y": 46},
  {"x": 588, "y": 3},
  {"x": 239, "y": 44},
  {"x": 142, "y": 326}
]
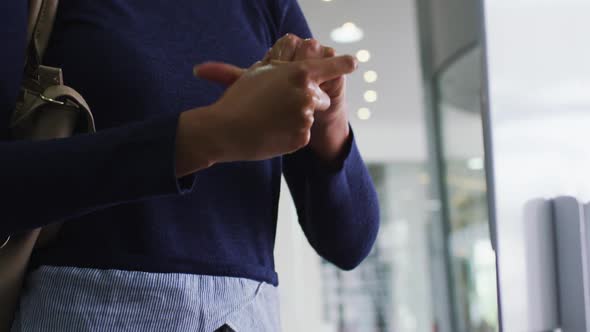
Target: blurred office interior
[
  {"x": 473, "y": 117},
  {"x": 415, "y": 108}
]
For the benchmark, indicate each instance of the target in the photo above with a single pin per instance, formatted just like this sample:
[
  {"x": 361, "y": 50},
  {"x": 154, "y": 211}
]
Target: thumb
[{"x": 218, "y": 72}]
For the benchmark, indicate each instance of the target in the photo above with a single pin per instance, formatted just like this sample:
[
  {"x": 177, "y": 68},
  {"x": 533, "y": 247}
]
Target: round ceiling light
[
  {"x": 364, "y": 113},
  {"x": 347, "y": 33},
  {"x": 370, "y": 76},
  {"x": 370, "y": 96},
  {"x": 363, "y": 55}
]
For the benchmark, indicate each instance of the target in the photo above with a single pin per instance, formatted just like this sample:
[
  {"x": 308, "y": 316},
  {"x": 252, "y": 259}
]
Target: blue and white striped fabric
[{"x": 76, "y": 299}]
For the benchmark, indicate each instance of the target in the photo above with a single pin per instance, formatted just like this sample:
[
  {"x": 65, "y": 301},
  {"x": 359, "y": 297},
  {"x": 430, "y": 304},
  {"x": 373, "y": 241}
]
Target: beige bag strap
[
  {"x": 40, "y": 25},
  {"x": 41, "y": 18},
  {"x": 15, "y": 252}
]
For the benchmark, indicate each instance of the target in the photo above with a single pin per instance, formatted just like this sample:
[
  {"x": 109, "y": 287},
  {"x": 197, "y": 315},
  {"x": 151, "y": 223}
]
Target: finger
[
  {"x": 284, "y": 49},
  {"x": 330, "y": 86},
  {"x": 321, "y": 100},
  {"x": 218, "y": 72},
  {"x": 334, "y": 87},
  {"x": 278, "y": 63},
  {"x": 289, "y": 47},
  {"x": 328, "y": 52},
  {"x": 308, "y": 49},
  {"x": 323, "y": 70},
  {"x": 267, "y": 56},
  {"x": 258, "y": 64}
]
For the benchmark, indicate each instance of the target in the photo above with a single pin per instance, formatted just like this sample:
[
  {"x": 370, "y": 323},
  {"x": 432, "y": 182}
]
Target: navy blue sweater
[{"x": 116, "y": 190}]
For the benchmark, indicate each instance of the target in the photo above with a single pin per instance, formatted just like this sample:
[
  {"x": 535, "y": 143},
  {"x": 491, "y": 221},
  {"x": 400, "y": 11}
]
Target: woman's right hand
[{"x": 266, "y": 113}]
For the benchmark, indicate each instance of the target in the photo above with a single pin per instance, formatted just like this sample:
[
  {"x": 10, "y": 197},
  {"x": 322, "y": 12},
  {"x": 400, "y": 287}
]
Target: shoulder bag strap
[
  {"x": 39, "y": 27},
  {"x": 41, "y": 18},
  {"x": 15, "y": 253}
]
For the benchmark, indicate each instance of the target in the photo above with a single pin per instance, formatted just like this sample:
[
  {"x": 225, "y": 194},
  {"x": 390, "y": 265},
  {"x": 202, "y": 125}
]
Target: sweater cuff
[
  {"x": 185, "y": 184},
  {"x": 318, "y": 169},
  {"x": 163, "y": 133}
]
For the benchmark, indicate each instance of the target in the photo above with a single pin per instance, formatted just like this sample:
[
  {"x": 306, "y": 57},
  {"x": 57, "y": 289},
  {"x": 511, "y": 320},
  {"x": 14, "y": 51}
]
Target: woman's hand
[
  {"x": 330, "y": 131},
  {"x": 268, "y": 111}
]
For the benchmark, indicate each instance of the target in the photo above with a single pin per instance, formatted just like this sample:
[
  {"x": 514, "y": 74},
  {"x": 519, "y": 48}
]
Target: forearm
[
  {"x": 54, "y": 180},
  {"x": 337, "y": 207}
]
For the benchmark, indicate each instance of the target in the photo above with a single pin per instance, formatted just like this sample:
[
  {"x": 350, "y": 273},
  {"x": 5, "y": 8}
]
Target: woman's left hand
[
  {"x": 292, "y": 48},
  {"x": 330, "y": 131}
]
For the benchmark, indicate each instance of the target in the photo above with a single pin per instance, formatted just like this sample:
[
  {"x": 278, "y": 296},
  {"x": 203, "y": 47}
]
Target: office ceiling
[{"x": 396, "y": 129}]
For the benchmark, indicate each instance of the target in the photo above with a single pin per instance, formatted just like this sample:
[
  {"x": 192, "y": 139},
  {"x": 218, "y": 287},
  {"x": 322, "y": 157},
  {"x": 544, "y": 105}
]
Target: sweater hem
[{"x": 146, "y": 264}]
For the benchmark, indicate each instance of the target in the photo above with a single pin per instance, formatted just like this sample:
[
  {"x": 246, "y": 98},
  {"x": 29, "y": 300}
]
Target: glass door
[{"x": 452, "y": 65}]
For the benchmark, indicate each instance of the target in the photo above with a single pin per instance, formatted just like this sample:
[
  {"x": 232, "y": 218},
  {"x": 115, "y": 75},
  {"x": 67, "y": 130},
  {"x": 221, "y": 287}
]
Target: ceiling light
[
  {"x": 347, "y": 33},
  {"x": 364, "y": 113},
  {"x": 370, "y": 96},
  {"x": 475, "y": 164},
  {"x": 363, "y": 55},
  {"x": 326, "y": 0},
  {"x": 370, "y": 76}
]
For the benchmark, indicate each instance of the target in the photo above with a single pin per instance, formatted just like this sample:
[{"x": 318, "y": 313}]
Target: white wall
[
  {"x": 539, "y": 70},
  {"x": 298, "y": 267}
]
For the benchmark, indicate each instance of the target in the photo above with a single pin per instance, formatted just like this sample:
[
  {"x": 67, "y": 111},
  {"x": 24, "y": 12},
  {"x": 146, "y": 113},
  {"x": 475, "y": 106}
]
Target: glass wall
[
  {"x": 451, "y": 35},
  {"x": 473, "y": 264}
]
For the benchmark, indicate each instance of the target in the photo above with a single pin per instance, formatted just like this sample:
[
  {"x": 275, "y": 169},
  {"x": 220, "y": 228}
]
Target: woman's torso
[{"x": 132, "y": 60}]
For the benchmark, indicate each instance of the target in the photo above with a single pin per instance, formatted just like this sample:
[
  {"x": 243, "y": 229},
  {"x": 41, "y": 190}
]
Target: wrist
[
  {"x": 197, "y": 143},
  {"x": 329, "y": 137}
]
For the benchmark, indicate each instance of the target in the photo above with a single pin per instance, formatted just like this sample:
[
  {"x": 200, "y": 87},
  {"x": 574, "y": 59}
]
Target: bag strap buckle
[
  {"x": 51, "y": 100},
  {"x": 5, "y": 242}
]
